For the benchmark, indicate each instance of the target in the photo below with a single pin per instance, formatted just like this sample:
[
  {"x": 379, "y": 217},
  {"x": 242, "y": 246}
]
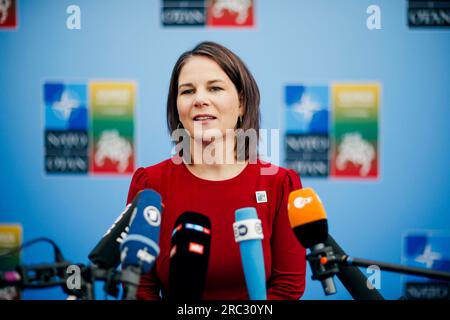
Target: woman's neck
[{"x": 215, "y": 160}]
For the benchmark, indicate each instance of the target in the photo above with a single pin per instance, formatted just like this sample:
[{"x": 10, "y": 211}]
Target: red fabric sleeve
[
  {"x": 149, "y": 285},
  {"x": 287, "y": 280},
  {"x": 137, "y": 184}
]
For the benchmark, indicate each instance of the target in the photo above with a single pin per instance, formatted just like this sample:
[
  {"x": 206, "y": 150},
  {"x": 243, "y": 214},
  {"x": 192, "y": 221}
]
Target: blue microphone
[
  {"x": 248, "y": 233},
  {"x": 141, "y": 246}
]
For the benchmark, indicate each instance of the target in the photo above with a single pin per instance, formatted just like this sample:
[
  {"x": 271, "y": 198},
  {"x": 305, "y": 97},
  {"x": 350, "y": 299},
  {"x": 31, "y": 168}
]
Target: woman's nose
[{"x": 201, "y": 98}]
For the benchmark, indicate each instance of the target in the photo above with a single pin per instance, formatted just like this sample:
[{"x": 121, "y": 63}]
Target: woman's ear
[{"x": 241, "y": 111}]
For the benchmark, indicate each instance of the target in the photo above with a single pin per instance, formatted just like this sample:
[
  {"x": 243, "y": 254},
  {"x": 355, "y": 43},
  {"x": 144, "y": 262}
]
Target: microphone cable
[{"x": 57, "y": 251}]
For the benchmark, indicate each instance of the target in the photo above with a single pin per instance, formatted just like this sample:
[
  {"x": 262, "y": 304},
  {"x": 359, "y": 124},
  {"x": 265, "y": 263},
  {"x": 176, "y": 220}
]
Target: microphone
[
  {"x": 141, "y": 246},
  {"x": 248, "y": 233},
  {"x": 309, "y": 223},
  {"x": 189, "y": 255},
  {"x": 10, "y": 278},
  {"x": 37, "y": 276},
  {"x": 352, "y": 278},
  {"x": 106, "y": 254}
]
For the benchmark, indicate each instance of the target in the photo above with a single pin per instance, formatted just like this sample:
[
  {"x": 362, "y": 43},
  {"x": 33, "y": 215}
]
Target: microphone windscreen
[
  {"x": 189, "y": 255},
  {"x": 141, "y": 246},
  {"x": 307, "y": 217},
  {"x": 248, "y": 233},
  {"x": 106, "y": 253}
]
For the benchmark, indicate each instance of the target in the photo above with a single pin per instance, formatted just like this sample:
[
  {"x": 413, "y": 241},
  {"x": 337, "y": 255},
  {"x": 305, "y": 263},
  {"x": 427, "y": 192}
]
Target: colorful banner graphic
[
  {"x": 355, "y": 152},
  {"x": 179, "y": 13},
  {"x": 211, "y": 13},
  {"x": 89, "y": 127},
  {"x": 430, "y": 250},
  {"x": 231, "y": 13},
  {"x": 10, "y": 238},
  {"x": 307, "y": 129},
  {"x": 429, "y": 13},
  {"x": 112, "y": 111},
  {"x": 66, "y": 128},
  {"x": 8, "y": 14}
]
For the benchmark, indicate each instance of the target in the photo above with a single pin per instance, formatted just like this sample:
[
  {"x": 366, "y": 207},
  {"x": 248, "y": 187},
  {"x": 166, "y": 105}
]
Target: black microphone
[
  {"x": 106, "y": 254},
  {"x": 189, "y": 255},
  {"x": 352, "y": 278}
]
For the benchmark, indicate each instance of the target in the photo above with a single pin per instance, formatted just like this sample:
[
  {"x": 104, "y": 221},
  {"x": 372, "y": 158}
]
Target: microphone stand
[
  {"x": 37, "y": 276},
  {"x": 111, "y": 278},
  {"x": 421, "y": 272},
  {"x": 53, "y": 275},
  {"x": 130, "y": 278},
  {"x": 352, "y": 278},
  {"x": 325, "y": 263}
]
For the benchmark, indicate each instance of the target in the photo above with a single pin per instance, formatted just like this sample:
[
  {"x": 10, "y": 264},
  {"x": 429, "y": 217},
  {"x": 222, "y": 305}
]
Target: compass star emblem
[
  {"x": 428, "y": 256},
  {"x": 65, "y": 105}
]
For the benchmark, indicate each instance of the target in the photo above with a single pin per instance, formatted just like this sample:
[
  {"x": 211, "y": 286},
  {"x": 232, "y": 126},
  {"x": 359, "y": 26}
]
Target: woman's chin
[{"x": 208, "y": 135}]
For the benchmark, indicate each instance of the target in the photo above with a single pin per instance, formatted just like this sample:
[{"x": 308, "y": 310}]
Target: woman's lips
[{"x": 204, "y": 119}]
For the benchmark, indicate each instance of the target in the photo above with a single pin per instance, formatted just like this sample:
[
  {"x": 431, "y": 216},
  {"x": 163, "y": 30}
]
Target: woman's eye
[
  {"x": 216, "y": 88},
  {"x": 186, "y": 91}
]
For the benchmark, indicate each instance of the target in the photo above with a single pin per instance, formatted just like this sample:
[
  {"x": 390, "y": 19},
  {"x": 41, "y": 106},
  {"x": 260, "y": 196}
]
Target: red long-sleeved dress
[{"x": 182, "y": 191}]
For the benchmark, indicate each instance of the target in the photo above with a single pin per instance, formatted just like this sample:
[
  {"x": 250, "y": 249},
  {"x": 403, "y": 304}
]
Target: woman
[{"x": 214, "y": 99}]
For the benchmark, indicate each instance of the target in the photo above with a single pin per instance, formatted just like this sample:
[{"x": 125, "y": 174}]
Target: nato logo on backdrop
[
  {"x": 307, "y": 125},
  {"x": 332, "y": 130},
  {"x": 65, "y": 106},
  {"x": 430, "y": 250},
  {"x": 66, "y": 128},
  {"x": 307, "y": 109},
  {"x": 89, "y": 127}
]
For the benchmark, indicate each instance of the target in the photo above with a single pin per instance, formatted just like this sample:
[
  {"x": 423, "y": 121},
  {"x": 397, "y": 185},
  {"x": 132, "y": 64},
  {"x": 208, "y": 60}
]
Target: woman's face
[{"x": 207, "y": 99}]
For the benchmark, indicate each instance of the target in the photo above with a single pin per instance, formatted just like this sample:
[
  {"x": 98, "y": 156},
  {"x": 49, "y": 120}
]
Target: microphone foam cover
[{"x": 307, "y": 217}]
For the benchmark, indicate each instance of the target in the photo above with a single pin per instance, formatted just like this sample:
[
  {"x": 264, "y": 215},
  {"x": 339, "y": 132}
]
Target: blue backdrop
[{"x": 293, "y": 42}]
